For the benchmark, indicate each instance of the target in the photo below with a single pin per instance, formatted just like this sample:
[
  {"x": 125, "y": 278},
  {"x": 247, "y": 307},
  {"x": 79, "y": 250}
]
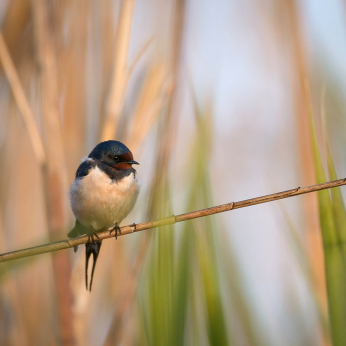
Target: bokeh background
[{"x": 214, "y": 100}]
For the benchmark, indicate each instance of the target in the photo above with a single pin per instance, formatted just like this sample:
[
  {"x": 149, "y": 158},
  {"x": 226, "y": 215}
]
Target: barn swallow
[{"x": 103, "y": 193}]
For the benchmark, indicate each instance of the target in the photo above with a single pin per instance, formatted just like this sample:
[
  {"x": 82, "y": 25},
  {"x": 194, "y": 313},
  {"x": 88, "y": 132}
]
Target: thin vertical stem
[
  {"x": 120, "y": 74},
  {"x": 21, "y": 101},
  {"x": 302, "y": 114},
  {"x": 54, "y": 175}
]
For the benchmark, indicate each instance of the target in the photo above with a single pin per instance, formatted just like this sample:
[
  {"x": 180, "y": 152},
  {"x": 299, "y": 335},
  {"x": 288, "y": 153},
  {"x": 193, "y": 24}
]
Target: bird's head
[{"x": 114, "y": 154}]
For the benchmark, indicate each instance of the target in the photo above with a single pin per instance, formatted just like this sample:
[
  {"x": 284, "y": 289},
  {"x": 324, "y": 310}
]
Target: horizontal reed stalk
[{"x": 69, "y": 243}]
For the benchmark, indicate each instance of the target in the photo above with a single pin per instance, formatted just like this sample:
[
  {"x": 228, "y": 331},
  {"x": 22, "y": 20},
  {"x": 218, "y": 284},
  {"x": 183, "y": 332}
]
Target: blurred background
[{"x": 213, "y": 99}]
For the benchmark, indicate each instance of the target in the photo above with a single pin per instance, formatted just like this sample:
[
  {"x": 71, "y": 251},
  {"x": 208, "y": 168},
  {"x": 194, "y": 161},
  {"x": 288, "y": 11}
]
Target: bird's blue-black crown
[{"x": 108, "y": 147}]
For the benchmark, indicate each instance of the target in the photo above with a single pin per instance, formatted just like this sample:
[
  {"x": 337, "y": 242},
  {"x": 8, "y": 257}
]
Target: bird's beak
[{"x": 132, "y": 162}]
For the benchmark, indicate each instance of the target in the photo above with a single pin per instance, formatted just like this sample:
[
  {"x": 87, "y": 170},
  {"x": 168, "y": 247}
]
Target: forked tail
[{"x": 91, "y": 248}]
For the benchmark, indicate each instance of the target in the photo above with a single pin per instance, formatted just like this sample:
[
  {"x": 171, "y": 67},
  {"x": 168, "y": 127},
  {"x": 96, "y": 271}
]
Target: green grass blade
[
  {"x": 337, "y": 201},
  {"x": 333, "y": 255}
]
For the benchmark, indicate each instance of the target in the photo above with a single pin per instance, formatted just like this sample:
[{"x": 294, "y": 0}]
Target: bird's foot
[
  {"x": 91, "y": 237},
  {"x": 117, "y": 229}
]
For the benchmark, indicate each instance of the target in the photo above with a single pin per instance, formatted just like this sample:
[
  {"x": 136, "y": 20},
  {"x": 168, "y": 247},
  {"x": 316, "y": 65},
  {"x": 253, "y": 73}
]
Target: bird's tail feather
[{"x": 91, "y": 248}]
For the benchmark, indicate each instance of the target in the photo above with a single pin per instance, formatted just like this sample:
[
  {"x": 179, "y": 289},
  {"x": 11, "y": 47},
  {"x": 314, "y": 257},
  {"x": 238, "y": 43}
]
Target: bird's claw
[
  {"x": 91, "y": 237},
  {"x": 117, "y": 229}
]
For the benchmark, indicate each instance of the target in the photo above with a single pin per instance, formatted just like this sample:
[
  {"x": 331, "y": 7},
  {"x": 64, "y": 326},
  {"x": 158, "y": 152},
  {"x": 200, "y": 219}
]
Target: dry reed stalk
[
  {"x": 170, "y": 220},
  {"x": 120, "y": 80},
  {"x": 107, "y": 37},
  {"x": 34, "y": 299},
  {"x": 23, "y": 186},
  {"x": 146, "y": 113},
  {"x": 71, "y": 64},
  {"x": 126, "y": 296},
  {"x": 22, "y": 102},
  {"x": 152, "y": 99},
  {"x": 12, "y": 186},
  {"x": 120, "y": 74},
  {"x": 302, "y": 114},
  {"x": 119, "y": 69},
  {"x": 114, "y": 106},
  {"x": 135, "y": 138},
  {"x": 72, "y": 83},
  {"x": 145, "y": 116},
  {"x": 115, "y": 98},
  {"x": 172, "y": 121},
  {"x": 160, "y": 179},
  {"x": 82, "y": 298},
  {"x": 55, "y": 173},
  {"x": 139, "y": 55},
  {"x": 29, "y": 304},
  {"x": 15, "y": 21},
  {"x": 14, "y": 297},
  {"x": 292, "y": 235}
]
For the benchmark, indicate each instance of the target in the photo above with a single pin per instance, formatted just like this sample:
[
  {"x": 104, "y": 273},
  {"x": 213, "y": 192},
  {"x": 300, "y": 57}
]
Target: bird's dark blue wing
[{"x": 84, "y": 168}]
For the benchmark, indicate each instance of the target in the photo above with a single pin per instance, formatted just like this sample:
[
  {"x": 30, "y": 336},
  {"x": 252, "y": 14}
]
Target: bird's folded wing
[{"x": 77, "y": 230}]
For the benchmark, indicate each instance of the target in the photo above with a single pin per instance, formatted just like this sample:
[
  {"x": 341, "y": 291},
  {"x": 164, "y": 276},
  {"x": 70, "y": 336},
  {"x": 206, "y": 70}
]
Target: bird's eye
[{"x": 116, "y": 158}]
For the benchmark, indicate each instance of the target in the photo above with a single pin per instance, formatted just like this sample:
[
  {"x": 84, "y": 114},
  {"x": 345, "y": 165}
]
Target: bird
[{"x": 103, "y": 193}]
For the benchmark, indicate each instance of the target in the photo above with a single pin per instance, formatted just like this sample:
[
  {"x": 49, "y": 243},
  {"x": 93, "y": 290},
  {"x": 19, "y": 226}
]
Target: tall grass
[
  {"x": 333, "y": 228},
  {"x": 86, "y": 75}
]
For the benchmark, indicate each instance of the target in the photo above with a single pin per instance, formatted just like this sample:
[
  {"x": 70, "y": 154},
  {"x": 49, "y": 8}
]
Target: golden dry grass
[{"x": 76, "y": 73}]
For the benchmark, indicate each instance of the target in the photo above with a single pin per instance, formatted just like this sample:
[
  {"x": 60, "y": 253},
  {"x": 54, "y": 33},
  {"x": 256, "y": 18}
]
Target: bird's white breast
[{"x": 100, "y": 202}]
